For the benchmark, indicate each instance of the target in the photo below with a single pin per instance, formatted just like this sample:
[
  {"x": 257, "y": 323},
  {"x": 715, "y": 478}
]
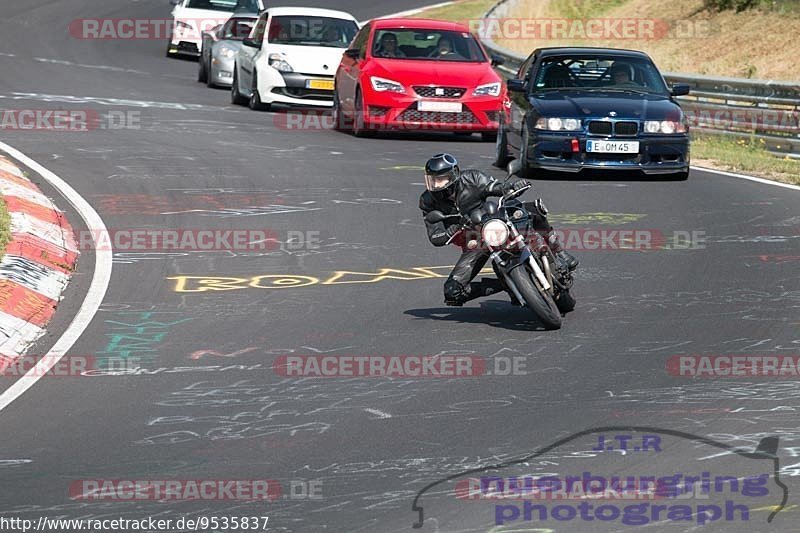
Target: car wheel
[
  {"x": 501, "y": 157},
  {"x": 210, "y": 79},
  {"x": 680, "y": 176},
  {"x": 359, "y": 124},
  {"x": 236, "y": 96},
  {"x": 255, "y": 99},
  {"x": 526, "y": 171},
  {"x": 338, "y": 116},
  {"x": 202, "y": 73}
]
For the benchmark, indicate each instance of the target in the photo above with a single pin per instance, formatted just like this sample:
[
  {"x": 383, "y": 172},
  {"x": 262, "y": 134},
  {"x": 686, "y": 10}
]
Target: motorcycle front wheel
[{"x": 539, "y": 301}]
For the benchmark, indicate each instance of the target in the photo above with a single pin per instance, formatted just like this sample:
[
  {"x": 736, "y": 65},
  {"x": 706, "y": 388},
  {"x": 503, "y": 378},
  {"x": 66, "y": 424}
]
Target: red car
[{"x": 416, "y": 74}]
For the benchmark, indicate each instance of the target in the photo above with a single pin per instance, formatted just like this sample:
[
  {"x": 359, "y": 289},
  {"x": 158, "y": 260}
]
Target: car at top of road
[
  {"x": 579, "y": 109},
  {"x": 219, "y": 47},
  {"x": 290, "y": 57},
  {"x": 192, "y": 17},
  {"x": 418, "y": 74}
]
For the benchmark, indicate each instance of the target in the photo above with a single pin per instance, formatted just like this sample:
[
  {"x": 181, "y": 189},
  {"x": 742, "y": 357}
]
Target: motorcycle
[{"x": 525, "y": 265}]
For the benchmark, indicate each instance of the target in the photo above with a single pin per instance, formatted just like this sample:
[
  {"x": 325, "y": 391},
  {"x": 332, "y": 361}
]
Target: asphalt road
[{"x": 208, "y": 404}]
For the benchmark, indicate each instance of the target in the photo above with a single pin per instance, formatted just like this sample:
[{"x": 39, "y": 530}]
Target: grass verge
[
  {"x": 459, "y": 11},
  {"x": 745, "y": 156},
  {"x": 5, "y": 227}
]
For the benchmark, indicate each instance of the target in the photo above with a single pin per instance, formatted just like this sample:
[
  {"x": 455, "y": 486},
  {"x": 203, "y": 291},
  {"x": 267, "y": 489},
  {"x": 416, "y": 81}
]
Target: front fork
[{"x": 543, "y": 275}]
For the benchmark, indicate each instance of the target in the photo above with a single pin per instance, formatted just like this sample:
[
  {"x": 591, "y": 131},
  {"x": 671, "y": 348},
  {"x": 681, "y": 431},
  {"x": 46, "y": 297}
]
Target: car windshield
[
  {"x": 430, "y": 45},
  {"x": 237, "y": 29},
  {"x": 606, "y": 73},
  {"x": 312, "y": 31},
  {"x": 250, "y": 6}
]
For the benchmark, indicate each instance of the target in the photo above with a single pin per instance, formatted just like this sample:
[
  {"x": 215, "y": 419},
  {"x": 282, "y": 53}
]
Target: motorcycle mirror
[{"x": 514, "y": 167}]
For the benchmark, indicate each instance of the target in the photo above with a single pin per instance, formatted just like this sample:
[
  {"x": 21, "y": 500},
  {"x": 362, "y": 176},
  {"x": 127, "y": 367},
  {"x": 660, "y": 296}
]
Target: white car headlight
[
  {"x": 495, "y": 233},
  {"x": 225, "y": 51},
  {"x": 490, "y": 89},
  {"x": 279, "y": 63},
  {"x": 382, "y": 84},
  {"x": 667, "y": 127},
  {"x": 182, "y": 24},
  {"x": 558, "y": 124}
]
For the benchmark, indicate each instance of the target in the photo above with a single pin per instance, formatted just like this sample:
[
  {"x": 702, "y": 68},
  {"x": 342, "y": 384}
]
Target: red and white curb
[{"x": 37, "y": 264}]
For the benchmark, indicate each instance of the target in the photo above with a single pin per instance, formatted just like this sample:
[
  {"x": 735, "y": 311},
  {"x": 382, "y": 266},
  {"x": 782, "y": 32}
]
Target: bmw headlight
[
  {"x": 279, "y": 63},
  {"x": 667, "y": 127},
  {"x": 558, "y": 124},
  {"x": 382, "y": 84},
  {"x": 495, "y": 233},
  {"x": 490, "y": 89}
]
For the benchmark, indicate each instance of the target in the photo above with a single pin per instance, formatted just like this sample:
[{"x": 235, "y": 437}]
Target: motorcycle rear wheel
[{"x": 539, "y": 301}]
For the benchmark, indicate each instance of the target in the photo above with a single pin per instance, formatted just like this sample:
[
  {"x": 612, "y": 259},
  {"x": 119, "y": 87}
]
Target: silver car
[{"x": 219, "y": 47}]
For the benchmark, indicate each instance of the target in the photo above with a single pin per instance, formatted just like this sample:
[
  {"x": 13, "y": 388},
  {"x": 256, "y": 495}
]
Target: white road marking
[
  {"x": 94, "y": 296},
  {"x": 751, "y": 178},
  {"x": 380, "y": 414}
]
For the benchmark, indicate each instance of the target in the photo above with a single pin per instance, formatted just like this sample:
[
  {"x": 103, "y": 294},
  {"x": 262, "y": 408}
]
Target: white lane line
[
  {"x": 94, "y": 296},
  {"x": 380, "y": 414},
  {"x": 751, "y": 178}
]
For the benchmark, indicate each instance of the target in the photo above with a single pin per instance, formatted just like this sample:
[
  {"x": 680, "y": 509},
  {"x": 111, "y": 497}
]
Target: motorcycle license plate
[{"x": 613, "y": 147}]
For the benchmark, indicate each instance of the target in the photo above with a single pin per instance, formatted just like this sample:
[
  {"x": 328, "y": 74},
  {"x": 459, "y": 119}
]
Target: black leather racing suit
[{"x": 464, "y": 195}]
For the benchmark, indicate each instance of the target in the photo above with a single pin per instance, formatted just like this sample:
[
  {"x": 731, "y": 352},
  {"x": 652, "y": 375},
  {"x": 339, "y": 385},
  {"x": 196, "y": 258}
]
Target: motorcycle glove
[{"x": 511, "y": 187}]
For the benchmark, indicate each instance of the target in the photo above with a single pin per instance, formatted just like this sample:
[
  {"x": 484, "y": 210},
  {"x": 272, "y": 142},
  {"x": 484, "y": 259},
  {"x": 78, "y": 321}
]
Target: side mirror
[
  {"x": 516, "y": 86},
  {"x": 252, "y": 43},
  {"x": 434, "y": 216},
  {"x": 680, "y": 89},
  {"x": 498, "y": 61},
  {"x": 353, "y": 53},
  {"x": 514, "y": 167}
]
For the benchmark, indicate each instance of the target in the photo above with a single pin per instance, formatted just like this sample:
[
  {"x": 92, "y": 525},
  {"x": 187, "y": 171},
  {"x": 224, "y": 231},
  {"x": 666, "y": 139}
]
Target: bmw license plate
[
  {"x": 613, "y": 147},
  {"x": 325, "y": 85},
  {"x": 442, "y": 107}
]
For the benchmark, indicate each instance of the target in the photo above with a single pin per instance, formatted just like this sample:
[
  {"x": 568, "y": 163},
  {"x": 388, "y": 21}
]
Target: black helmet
[{"x": 441, "y": 171}]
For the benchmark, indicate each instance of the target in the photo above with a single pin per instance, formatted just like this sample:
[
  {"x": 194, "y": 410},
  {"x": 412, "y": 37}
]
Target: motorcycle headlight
[
  {"x": 279, "y": 63},
  {"x": 382, "y": 84},
  {"x": 490, "y": 89},
  {"x": 558, "y": 124},
  {"x": 495, "y": 233},
  {"x": 667, "y": 127}
]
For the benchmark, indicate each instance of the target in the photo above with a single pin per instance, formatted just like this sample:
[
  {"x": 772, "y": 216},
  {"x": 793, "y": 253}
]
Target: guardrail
[{"x": 741, "y": 108}]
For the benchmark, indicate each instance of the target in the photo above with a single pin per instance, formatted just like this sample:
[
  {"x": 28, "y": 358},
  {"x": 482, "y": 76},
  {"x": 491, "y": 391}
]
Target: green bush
[{"x": 723, "y": 5}]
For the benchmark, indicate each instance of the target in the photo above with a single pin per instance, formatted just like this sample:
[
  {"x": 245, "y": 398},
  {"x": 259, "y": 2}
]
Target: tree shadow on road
[{"x": 494, "y": 313}]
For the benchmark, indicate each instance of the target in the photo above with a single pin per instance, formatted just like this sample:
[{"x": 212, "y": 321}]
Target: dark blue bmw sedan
[{"x": 577, "y": 109}]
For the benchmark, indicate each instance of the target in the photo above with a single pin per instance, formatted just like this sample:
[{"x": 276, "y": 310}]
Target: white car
[
  {"x": 291, "y": 57},
  {"x": 193, "y": 17}
]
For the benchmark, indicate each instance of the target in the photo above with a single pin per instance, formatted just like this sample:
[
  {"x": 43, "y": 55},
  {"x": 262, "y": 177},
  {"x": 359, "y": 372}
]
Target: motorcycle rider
[{"x": 454, "y": 192}]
